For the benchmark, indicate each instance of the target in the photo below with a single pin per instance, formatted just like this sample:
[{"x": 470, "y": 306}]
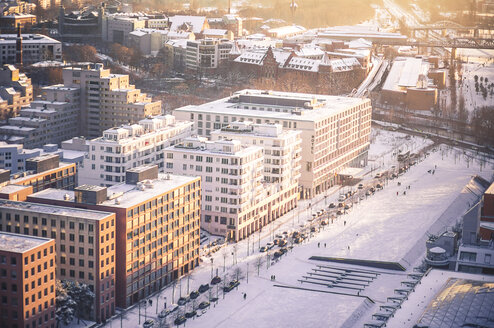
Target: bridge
[
  {"x": 454, "y": 43},
  {"x": 443, "y": 26}
]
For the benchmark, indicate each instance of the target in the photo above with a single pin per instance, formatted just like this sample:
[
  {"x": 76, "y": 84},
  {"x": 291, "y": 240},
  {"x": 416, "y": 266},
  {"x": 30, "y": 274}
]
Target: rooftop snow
[
  {"x": 54, "y": 210},
  {"x": 17, "y": 243}
]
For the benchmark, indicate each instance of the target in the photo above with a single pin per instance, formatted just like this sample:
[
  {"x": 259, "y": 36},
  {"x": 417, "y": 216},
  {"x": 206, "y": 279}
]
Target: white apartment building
[
  {"x": 335, "y": 130},
  {"x": 282, "y": 149},
  {"x": 107, "y": 100},
  {"x": 35, "y": 48},
  {"x": 206, "y": 53},
  {"x": 130, "y": 146},
  {"x": 235, "y": 200}
]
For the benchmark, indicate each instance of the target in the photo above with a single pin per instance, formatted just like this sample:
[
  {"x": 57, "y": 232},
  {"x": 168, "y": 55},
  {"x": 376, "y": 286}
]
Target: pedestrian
[
  {"x": 344, "y": 223},
  {"x": 150, "y": 302},
  {"x": 404, "y": 193},
  {"x": 274, "y": 277},
  {"x": 434, "y": 171},
  {"x": 318, "y": 245},
  {"x": 245, "y": 296},
  {"x": 324, "y": 245},
  {"x": 396, "y": 193},
  {"x": 348, "y": 247}
]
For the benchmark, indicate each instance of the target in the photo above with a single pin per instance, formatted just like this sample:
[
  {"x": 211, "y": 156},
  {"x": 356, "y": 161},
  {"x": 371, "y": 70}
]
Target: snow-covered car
[
  {"x": 215, "y": 280},
  {"x": 341, "y": 198},
  {"x": 360, "y": 186},
  {"x": 203, "y": 288}
]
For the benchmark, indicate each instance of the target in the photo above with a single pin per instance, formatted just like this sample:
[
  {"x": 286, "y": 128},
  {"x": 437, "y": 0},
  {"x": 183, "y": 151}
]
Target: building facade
[
  {"x": 335, "y": 130},
  {"x": 130, "y": 146},
  {"x": 206, "y": 54},
  {"x": 157, "y": 227},
  {"x": 27, "y": 280},
  {"x": 84, "y": 245},
  {"x": 237, "y": 200}
]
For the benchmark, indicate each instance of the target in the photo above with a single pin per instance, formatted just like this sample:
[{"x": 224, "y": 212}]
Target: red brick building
[{"x": 27, "y": 281}]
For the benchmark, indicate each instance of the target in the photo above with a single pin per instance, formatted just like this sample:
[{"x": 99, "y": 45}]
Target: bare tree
[{"x": 259, "y": 263}]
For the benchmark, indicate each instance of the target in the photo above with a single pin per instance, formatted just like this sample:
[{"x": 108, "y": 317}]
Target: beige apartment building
[
  {"x": 84, "y": 245},
  {"x": 335, "y": 130},
  {"x": 107, "y": 100}
]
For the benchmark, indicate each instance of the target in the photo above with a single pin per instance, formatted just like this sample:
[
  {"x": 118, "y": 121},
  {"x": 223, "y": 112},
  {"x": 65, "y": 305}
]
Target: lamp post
[{"x": 212, "y": 268}]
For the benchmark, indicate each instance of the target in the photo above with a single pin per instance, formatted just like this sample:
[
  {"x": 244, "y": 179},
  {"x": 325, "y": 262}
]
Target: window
[{"x": 468, "y": 256}]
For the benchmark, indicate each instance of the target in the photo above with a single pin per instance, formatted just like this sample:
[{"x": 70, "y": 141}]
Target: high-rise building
[
  {"x": 84, "y": 245},
  {"x": 206, "y": 54},
  {"x": 27, "y": 277},
  {"x": 107, "y": 100},
  {"x": 335, "y": 130},
  {"x": 35, "y": 48},
  {"x": 129, "y": 146},
  {"x": 157, "y": 227}
]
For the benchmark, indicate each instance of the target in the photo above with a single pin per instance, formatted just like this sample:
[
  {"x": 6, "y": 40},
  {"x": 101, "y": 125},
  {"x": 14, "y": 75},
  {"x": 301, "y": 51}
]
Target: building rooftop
[
  {"x": 54, "y": 210},
  {"x": 125, "y": 195},
  {"x": 27, "y": 38},
  {"x": 277, "y": 105},
  {"x": 17, "y": 243}
]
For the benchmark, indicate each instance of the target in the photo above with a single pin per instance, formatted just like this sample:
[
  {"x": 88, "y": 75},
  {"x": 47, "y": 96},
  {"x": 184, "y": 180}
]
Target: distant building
[
  {"x": 128, "y": 146},
  {"x": 28, "y": 273},
  {"x": 12, "y": 21},
  {"x": 84, "y": 246},
  {"x": 16, "y": 7},
  {"x": 206, "y": 54},
  {"x": 322, "y": 75},
  {"x": 48, "y": 121},
  {"x": 161, "y": 213},
  {"x": 407, "y": 85},
  {"x": 46, "y": 171},
  {"x": 35, "y": 48},
  {"x": 107, "y": 100},
  {"x": 214, "y": 33},
  {"x": 148, "y": 41},
  {"x": 335, "y": 130},
  {"x": 116, "y": 28},
  {"x": 16, "y": 91},
  {"x": 79, "y": 25},
  {"x": 194, "y": 24}
]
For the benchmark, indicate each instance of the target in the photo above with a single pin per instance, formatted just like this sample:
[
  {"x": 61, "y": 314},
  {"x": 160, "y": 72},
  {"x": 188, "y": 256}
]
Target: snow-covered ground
[
  {"x": 473, "y": 99},
  {"x": 386, "y": 227}
]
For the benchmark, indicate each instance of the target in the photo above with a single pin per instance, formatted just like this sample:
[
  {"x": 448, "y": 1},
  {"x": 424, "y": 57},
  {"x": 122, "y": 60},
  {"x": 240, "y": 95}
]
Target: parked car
[
  {"x": 341, "y": 204},
  {"x": 235, "y": 283},
  {"x": 332, "y": 205},
  {"x": 379, "y": 186},
  {"x": 203, "y": 288},
  {"x": 324, "y": 222},
  {"x": 348, "y": 206},
  {"x": 341, "y": 198},
  {"x": 378, "y": 176},
  {"x": 269, "y": 245},
  {"x": 283, "y": 250},
  {"x": 180, "y": 320},
  {"x": 263, "y": 249},
  {"x": 340, "y": 212},
  {"x": 183, "y": 300},
  {"x": 368, "y": 193},
  {"x": 297, "y": 240},
  {"x": 190, "y": 314},
  {"x": 360, "y": 186},
  {"x": 282, "y": 243},
  {"x": 204, "y": 305},
  {"x": 277, "y": 254},
  {"x": 276, "y": 241},
  {"x": 148, "y": 323},
  {"x": 215, "y": 280},
  {"x": 194, "y": 295}
]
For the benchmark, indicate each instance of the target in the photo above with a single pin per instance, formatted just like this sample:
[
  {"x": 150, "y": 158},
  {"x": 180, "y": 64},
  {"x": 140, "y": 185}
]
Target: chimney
[{"x": 18, "y": 46}]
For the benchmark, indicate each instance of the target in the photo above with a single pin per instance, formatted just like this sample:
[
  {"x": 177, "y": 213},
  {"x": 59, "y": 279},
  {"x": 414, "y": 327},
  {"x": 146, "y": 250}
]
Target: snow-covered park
[{"x": 386, "y": 226}]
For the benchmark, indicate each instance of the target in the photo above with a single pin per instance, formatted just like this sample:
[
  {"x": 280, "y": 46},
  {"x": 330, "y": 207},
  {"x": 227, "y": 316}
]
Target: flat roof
[
  {"x": 128, "y": 194},
  {"x": 18, "y": 243},
  {"x": 332, "y": 105},
  {"x": 55, "y": 210},
  {"x": 11, "y": 188}
]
